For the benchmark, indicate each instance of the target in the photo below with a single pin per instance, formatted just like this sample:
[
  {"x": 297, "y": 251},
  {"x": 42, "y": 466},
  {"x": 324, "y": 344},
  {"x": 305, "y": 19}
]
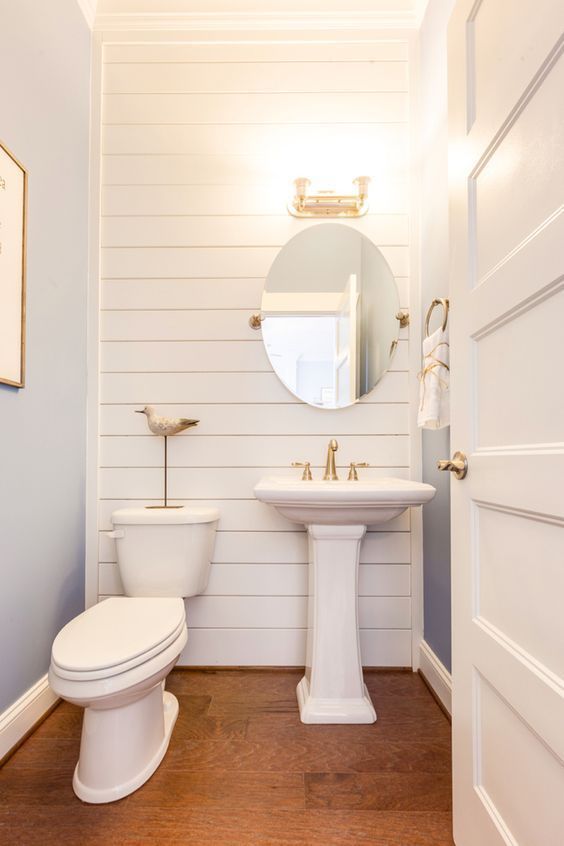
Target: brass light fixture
[{"x": 328, "y": 203}]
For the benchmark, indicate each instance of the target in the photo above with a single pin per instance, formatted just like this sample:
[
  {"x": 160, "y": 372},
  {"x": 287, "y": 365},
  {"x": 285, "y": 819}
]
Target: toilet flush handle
[{"x": 117, "y": 533}]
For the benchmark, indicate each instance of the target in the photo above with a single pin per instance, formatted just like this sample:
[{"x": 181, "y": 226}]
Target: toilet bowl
[{"x": 113, "y": 659}]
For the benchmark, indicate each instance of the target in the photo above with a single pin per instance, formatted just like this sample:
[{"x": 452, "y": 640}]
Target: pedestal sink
[{"x": 336, "y": 515}]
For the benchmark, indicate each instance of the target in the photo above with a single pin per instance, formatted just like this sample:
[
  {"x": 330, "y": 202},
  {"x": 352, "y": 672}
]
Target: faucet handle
[
  {"x": 306, "y": 475},
  {"x": 353, "y": 475}
]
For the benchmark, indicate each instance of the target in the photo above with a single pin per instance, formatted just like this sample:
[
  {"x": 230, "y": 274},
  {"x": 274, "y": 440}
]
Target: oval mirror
[{"x": 329, "y": 315}]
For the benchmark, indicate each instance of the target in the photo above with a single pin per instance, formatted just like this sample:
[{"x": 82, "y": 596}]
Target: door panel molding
[{"x": 507, "y": 313}]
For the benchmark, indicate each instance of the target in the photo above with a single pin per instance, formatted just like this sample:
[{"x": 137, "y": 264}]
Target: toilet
[{"x": 113, "y": 659}]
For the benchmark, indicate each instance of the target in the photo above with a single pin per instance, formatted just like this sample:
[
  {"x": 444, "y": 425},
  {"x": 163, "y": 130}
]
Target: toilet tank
[{"x": 164, "y": 551}]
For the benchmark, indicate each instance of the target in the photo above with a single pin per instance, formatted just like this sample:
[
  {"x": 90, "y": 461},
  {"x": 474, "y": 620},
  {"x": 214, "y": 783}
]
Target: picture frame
[{"x": 13, "y": 214}]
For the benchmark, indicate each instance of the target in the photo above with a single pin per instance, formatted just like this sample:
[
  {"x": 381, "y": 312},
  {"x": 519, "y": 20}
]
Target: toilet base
[{"x": 122, "y": 747}]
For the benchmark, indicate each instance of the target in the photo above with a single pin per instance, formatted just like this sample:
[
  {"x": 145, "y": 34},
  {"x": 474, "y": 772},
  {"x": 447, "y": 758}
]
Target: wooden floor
[{"x": 243, "y": 770}]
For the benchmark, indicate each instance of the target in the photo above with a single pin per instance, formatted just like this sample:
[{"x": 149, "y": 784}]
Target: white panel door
[{"x": 506, "y": 124}]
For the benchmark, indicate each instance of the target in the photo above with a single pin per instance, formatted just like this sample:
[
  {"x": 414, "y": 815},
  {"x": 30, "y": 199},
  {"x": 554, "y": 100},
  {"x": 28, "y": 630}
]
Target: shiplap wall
[{"x": 200, "y": 145}]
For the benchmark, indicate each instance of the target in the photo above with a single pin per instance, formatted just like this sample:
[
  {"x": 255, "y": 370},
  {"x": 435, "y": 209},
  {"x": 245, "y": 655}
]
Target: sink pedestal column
[{"x": 333, "y": 689}]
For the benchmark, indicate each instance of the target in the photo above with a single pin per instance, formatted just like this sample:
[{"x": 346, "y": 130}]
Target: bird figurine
[{"x": 166, "y": 425}]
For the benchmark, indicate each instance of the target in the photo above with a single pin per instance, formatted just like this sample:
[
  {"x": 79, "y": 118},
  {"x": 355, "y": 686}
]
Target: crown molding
[
  {"x": 246, "y": 22},
  {"x": 88, "y": 9}
]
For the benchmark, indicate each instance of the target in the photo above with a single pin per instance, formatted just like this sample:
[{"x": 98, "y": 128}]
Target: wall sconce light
[{"x": 327, "y": 203}]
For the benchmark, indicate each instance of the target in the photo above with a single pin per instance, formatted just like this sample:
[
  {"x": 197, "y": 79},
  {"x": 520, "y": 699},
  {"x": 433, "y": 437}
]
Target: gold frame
[{"x": 3, "y": 381}]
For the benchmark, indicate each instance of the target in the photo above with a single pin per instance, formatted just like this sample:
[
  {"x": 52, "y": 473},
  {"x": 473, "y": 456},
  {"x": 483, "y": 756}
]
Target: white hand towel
[{"x": 434, "y": 393}]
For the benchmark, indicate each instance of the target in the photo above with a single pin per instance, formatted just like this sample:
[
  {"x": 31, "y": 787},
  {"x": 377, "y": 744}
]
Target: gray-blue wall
[
  {"x": 435, "y": 283},
  {"x": 436, "y": 547},
  {"x": 44, "y": 121}
]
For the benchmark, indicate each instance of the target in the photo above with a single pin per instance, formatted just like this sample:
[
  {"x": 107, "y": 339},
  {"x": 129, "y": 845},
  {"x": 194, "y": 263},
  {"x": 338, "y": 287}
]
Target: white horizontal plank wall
[{"x": 200, "y": 144}]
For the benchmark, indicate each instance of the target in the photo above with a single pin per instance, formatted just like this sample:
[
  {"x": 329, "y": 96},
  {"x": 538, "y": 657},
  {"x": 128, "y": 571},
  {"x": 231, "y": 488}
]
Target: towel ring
[{"x": 437, "y": 302}]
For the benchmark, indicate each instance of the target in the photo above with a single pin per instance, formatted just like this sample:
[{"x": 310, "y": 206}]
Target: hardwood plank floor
[{"x": 242, "y": 770}]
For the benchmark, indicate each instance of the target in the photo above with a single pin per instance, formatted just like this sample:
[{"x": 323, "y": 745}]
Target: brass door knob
[{"x": 458, "y": 465}]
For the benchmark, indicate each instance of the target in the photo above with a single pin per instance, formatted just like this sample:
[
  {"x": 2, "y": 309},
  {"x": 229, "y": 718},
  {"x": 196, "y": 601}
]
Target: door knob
[{"x": 458, "y": 465}]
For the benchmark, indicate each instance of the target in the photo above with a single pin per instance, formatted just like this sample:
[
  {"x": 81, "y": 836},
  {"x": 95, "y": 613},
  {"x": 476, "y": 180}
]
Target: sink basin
[
  {"x": 363, "y": 502},
  {"x": 336, "y": 515}
]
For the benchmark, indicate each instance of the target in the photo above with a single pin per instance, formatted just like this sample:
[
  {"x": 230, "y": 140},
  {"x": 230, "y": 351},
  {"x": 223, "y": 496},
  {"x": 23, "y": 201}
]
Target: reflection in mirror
[{"x": 329, "y": 315}]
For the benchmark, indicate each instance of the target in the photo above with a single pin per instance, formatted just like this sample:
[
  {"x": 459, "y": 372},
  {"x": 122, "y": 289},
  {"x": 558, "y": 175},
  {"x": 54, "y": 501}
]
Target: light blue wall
[
  {"x": 436, "y": 547},
  {"x": 44, "y": 121},
  {"x": 435, "y": 283}
]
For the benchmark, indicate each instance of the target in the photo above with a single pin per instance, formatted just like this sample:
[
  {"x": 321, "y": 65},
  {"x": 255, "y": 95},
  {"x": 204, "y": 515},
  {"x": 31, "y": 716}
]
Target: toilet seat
[
  {"x": 125, "y": 685},
  {"x": 117, "y": 635}
]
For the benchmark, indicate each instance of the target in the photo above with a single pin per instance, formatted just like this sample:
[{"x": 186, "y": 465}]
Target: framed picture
[{"x": 13, "y": 201}]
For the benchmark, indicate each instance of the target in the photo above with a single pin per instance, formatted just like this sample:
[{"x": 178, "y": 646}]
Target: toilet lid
[{"x": 117, "y": 634}]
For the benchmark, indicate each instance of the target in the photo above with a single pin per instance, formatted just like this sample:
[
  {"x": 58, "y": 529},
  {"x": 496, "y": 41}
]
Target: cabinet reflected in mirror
[{"x": 329, "y": 315}]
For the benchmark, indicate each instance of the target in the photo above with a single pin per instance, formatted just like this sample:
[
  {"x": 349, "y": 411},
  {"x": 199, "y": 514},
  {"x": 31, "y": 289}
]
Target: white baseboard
[
  {"x": 436, "y": 675},
  {"x": 17, "y": 720}
]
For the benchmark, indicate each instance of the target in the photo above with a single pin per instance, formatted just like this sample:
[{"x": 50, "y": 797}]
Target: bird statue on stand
[{"x": 165, "y": 426}]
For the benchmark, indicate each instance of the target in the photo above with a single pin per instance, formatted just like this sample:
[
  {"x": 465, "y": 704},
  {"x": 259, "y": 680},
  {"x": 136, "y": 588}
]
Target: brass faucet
[
  {"x": 306, "y": 475},
  {"x": 330, "y": 474}
]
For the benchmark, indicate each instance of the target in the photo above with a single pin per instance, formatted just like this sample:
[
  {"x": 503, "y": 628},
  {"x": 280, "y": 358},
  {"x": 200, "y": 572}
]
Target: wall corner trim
[
  {"x": 436, "y": 675},
  {"x": 420, "y": 11},
  {"x": 88, "y": 9},
  {"x": 17, "y": 720}
]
